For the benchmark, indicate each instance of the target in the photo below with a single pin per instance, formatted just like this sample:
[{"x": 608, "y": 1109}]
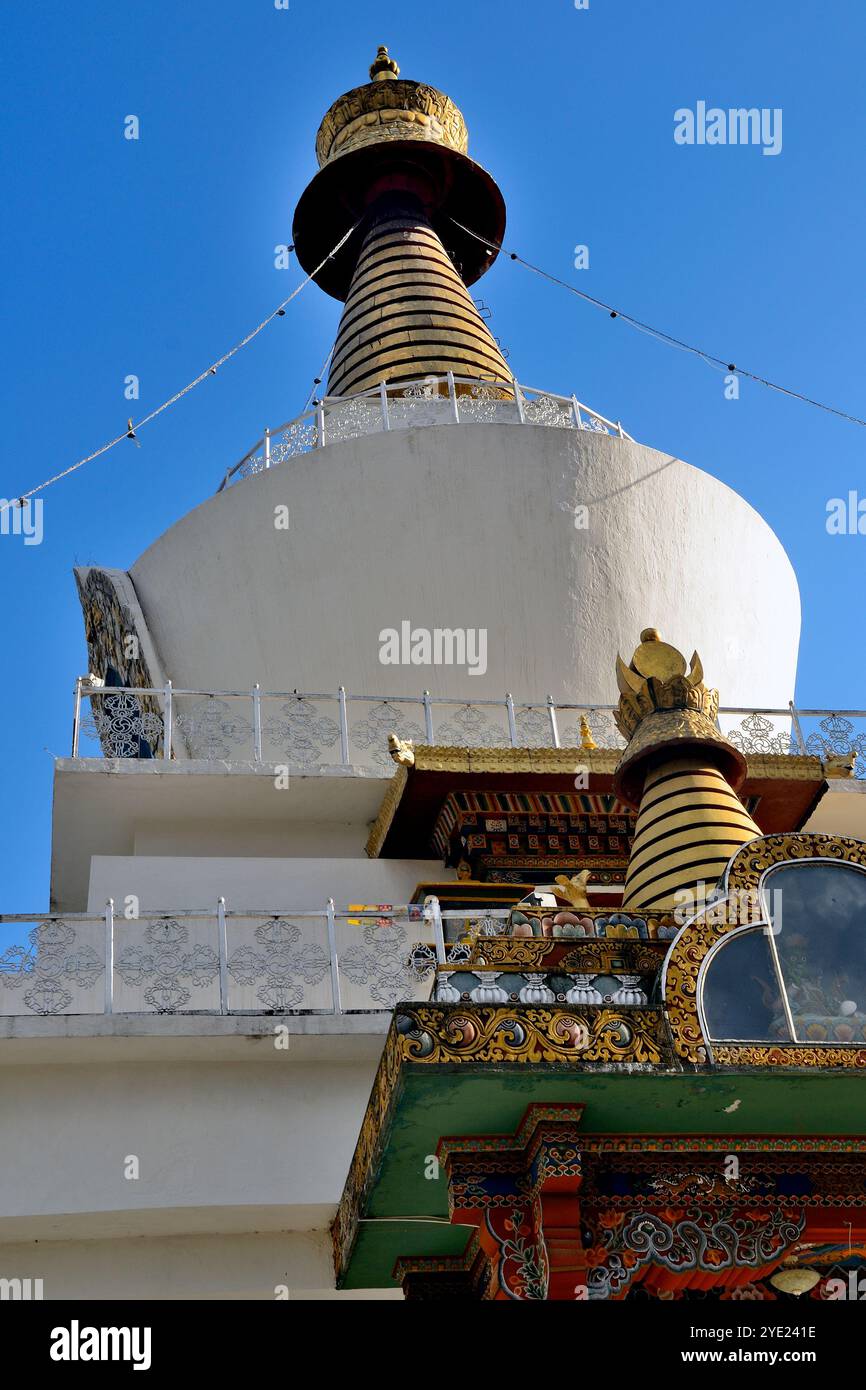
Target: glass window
[
  {"x": 806, "y": 978},
  {"x": 819, "y": 925},
  {"x": 742, "y": 999}
]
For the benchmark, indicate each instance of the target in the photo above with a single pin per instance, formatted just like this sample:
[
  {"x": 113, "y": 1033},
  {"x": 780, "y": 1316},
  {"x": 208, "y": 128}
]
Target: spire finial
[
  {"x": 383, "y": 68},
  {"x": 661, "y": 703},
  {"x": 393, "y": 159}
]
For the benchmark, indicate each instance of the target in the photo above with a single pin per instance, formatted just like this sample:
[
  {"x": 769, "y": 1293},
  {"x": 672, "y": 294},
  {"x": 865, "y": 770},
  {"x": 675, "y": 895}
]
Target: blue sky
[{"x": 153, "y": 256}]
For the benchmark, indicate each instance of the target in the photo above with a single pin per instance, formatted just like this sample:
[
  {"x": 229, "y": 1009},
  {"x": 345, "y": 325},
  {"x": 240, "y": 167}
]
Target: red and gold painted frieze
[
  {"x": 561, "y": 1215},
  {"x": 780, "y": 790},
  {"x": 436, "y": 1034},
  {"x": 509, "y": 833}
]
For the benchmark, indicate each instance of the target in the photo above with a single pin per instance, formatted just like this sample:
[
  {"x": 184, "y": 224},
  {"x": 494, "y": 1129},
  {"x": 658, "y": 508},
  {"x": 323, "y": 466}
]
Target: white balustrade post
[
  {"x": 267, "y": 438},
  {"x": 332, "y": 954},
  {"x": 428, "y": 716},
  {"x": 512, "y": 722},
  {"x": 257, "y": 722},
  {"x": 518, "y": 398},
  {"x": 575, "y": 410},
  {"x": 320, "y": 424},
  {"x": 554, "y": 727},
  {"x": 223, "y": 949},
  {"x": 167, "y": 722},
  {"x": 438, "y": 930},
  {"x": 452, "y": 396},
  {"x": 109, "y": 956},
  {"x": 76, "y": 717},
  {"x": 795, "y": 719},
  {"x": 344, "y": 727},
  {"x": 383, "y": 397}
]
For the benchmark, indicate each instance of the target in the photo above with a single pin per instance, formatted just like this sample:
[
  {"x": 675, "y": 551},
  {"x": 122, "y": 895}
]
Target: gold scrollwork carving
[{"x": 436, "y": 1034}]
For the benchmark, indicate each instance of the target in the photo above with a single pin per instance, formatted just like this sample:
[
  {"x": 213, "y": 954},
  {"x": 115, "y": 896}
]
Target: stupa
[{"x": 360, "y": 797}]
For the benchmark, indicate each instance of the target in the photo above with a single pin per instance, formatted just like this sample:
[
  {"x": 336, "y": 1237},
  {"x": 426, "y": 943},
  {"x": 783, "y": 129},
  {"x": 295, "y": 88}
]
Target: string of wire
[
  {"x": 659, "y": 333},
  {"x": 133, "y": 427}
]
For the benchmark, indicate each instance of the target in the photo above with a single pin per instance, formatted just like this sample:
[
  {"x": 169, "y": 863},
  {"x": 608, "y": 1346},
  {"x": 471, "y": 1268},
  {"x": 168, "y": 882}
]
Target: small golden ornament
[{"x": 794, "y": 1278}]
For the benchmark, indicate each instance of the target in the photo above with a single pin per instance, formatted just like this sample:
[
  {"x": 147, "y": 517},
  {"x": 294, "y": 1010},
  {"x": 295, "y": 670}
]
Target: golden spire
[
  {"x": 680, "y": 772},
  {"x": 392, "y": 158},
  {"x": 383, "y": 68}
]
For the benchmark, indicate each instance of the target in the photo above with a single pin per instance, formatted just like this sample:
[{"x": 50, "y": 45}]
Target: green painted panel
[
  {"x": 439, "y": 1103},
  {"x": 436, "y": 1103},
  {"x": 380, "y": 1246}
]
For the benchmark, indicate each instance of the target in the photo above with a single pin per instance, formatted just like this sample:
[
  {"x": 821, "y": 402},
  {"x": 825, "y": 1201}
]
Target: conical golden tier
[
  {"x": 681, "y": 773},
  {"x": 408, "y": 313}
]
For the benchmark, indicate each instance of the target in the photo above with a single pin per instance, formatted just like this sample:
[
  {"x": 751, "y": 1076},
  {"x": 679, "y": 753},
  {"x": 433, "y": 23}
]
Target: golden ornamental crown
[
  {"x": 665, "y": 710},
  {"x": 657, "y": 679}
]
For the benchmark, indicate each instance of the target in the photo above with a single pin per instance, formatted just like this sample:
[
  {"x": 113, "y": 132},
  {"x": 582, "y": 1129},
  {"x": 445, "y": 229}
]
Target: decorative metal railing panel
[
  {"x": 835, "y": 736},
  {"x": 343, "y": 729},
  {"x": 214, "y": 728},
  {"x": 368, "y": 723},
  {"x": 278, "y": 964},
  {"x": 757, "y": 734},
  {"x": 472, "y": 725},
  {"x": 299, "y": 729},
  {"x": 377, "y": 962},
  {"x": 124, "y": 726},
  {"x": 166, "y": 965},
  {"x": 58, "y": 969},
  {"x": 362, "y": 959},
  {"x": 434, "y": 400}
]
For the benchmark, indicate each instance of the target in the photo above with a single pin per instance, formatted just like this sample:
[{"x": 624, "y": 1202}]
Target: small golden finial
[
  {"x": 383, "y": 68},
  {"x": 586, "y": 739},
  {"x": 657, "y": 658}
]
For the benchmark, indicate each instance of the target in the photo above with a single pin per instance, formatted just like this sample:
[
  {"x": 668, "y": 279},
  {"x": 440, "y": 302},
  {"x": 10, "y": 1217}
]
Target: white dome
[{"x": 472, "y": 527}]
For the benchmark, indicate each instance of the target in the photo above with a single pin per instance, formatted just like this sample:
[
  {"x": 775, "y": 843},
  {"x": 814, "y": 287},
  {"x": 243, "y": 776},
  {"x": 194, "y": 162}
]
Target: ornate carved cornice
[
  {"x": 436, "y": 1035},
  {"x": 431, "y": 758}
]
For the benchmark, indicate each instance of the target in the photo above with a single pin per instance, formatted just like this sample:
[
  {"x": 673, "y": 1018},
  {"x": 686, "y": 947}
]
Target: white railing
[
  {"x": 340, "y": 729},
  {"x": 433, "y": 400},
  {"x": 216, "y": 961}
]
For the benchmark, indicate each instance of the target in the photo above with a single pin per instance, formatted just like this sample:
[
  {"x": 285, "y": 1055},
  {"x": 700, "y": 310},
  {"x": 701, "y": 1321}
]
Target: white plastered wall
[
  {"x": 286, "y": 884},
  {"x": 473, "y": 526}
]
